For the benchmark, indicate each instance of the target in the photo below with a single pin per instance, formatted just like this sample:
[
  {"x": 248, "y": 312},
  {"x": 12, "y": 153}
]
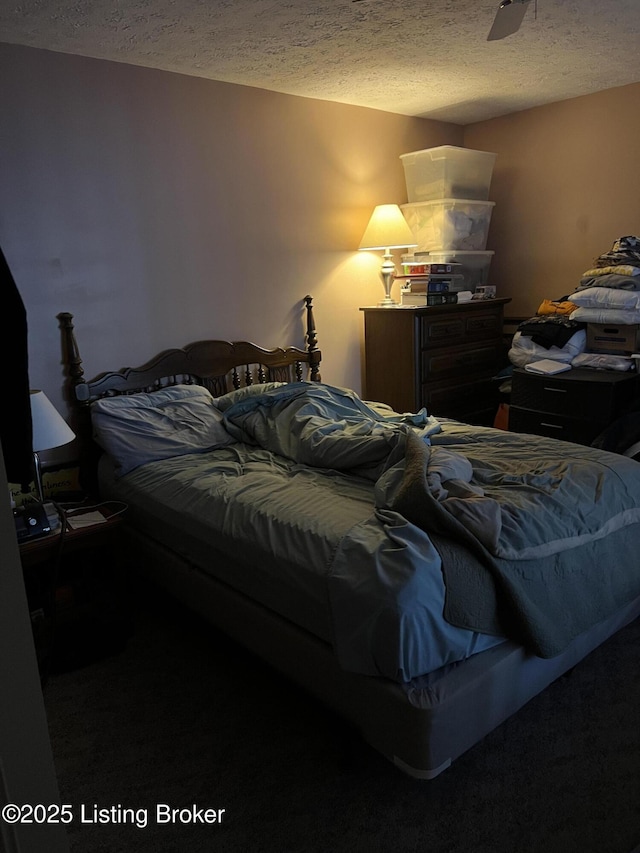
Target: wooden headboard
[{"x": 218, "y": 365}]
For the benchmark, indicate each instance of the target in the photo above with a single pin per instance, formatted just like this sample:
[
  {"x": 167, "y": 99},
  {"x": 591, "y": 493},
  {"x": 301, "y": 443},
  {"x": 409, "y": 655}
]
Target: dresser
[
  {"x": 443, "y": 357},
  {"x": 575, "y": 406}
]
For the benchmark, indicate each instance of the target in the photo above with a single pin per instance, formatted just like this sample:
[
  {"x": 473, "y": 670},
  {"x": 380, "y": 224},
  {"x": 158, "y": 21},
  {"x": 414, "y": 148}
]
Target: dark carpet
[{"x": 183, "y": 717}]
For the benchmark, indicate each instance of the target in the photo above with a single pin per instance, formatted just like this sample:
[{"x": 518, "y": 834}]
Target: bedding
[
  {"x": 519, "y": 535},
  {"x": 606, "y": 297},
  {"x": 142, "y": 428},
  {"x": 607, "y": 315},
  {"x": 603, "y": 361},
  {"x": 524, "y": 351},
  {"x": 616, "y": 269},
  {"x": 250, "y": 504},
  {"x": 617, "y": 280},
  {"x": 530, "y": 523}
]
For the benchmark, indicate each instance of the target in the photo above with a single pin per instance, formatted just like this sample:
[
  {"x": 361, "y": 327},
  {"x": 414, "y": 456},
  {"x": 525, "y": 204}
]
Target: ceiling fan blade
[{"x": 508, "y": 19}]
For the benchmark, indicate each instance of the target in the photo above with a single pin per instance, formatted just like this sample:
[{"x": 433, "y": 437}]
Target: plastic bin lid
[
  {"x": 441, "y": 151},
  {"x": 453, "y": 201},
  {"x": 455, "y": 252}
]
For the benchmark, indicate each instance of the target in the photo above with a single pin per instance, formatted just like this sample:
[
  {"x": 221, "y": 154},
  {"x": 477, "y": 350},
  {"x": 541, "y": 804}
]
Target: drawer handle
[
  {"x": 551, "y": 426},
  {"x": 557, "y": 390}
]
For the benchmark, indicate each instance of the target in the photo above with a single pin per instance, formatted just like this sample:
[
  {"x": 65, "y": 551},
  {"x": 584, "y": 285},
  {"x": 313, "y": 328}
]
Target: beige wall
[
  {"x": 566, "y": 185},
  {"x": 161, "y": 209}
]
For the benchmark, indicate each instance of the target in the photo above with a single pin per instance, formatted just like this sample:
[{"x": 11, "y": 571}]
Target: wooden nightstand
[
  {"x": 45, "y": 548},
  {"x": 71, "y": 580},
  {"x": 576, "y": 405}
]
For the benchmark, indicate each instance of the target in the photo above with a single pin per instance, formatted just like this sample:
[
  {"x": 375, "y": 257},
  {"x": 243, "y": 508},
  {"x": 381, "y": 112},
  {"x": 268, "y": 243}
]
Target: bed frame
[{"x": 420, "y": 727}]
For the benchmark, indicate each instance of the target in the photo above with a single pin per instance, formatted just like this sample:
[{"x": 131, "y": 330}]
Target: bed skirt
[{"x": 421, "y": 728}]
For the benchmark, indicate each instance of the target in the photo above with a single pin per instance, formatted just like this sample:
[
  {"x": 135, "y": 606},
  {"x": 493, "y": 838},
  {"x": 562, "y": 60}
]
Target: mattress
[{"x": 285, "y": 527}]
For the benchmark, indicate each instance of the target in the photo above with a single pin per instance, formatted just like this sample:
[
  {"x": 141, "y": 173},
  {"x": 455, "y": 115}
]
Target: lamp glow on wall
[
  {"x": 387, "y": 230},
  {"x": 49, "y": 431}
]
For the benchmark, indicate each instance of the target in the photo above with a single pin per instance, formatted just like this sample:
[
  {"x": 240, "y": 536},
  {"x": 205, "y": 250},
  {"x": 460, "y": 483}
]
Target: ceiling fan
[{"x": 508, "y": 18}]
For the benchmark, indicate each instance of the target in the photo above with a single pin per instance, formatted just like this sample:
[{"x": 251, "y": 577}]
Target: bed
[{"x": 421, "y": 577}]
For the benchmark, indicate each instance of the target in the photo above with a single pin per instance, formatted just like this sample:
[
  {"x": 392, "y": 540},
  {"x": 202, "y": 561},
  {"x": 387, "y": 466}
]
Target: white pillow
[
  {"x": 619, "y": 316},
  {"x": 139, "y": 428},
  {"x": 605, "y": 297}
]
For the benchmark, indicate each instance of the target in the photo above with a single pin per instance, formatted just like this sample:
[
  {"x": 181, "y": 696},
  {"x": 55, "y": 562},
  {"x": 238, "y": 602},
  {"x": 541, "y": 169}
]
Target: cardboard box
[
  {"x": 56, "y": 482},
  {"x": 617, "y": 339}
]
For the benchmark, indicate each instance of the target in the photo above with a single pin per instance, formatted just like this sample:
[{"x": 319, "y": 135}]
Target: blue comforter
[{"x": 538, "y": 538}]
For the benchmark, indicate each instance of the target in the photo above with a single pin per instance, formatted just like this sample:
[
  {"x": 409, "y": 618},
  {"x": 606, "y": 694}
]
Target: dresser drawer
[
  {"x": 438, "y": 331},
  {"x": 451, "y": 329},
  {"x": 554, "y": 426},
  {"x": 484, "y": 325},
  {"x": 473, "y": 402},
  {"x": 460, "y": 361}
]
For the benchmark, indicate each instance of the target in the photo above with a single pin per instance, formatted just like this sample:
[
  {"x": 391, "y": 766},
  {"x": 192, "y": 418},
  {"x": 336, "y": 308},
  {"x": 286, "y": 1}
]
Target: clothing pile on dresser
[{"x": 608, "y": 293}]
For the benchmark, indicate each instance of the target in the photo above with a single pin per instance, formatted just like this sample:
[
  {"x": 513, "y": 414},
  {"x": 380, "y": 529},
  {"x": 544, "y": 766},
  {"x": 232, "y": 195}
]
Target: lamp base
[
  {"x": 387, "y": 273},
  {"x": 38, "y": 477}
]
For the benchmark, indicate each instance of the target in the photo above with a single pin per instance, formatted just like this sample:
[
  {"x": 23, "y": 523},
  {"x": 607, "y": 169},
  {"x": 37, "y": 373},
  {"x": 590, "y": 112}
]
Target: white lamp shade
[
  {"x": 49, "y": 428},
  {"x": 387, "y": 229}
]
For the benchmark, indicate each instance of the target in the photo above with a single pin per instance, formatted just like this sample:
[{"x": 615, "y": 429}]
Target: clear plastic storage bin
[
  {"x": 453, "y": 223},
  {"x": 448, "y": 172},
  {"x": 474, "y": 266}
]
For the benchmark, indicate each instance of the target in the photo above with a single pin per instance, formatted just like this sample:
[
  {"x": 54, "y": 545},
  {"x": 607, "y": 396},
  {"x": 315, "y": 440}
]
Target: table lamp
[
  {"x": 387, "y": 229},
  {"x": 49, "y": 431}
]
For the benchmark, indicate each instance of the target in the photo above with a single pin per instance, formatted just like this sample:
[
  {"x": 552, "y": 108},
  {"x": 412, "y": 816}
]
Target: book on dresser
[
  {"x": 409, "y": 297},
  {"x": 430, "y": 283},
  {"x": 430, "y": 289},
  {"x": 421, "y": 267}
]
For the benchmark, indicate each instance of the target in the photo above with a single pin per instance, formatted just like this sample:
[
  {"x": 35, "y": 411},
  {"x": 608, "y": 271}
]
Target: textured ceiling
[{"x": 425, "y": 58}]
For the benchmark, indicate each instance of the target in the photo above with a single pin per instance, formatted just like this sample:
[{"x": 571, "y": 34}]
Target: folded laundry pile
[
  {"x": 610, "y": 292},
  {"x": 598, "y": 325}
]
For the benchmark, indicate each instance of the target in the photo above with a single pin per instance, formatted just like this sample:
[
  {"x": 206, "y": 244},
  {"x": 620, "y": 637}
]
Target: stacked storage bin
[{"x": 448, "y": 209}]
